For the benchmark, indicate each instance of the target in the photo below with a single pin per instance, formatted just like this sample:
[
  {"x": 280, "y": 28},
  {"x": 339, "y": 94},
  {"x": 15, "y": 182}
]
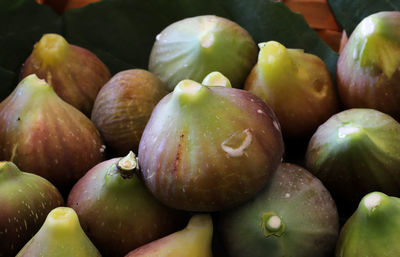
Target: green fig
[
  {"x": 296, "y": 85},
  {"x": 123, "y": 107},
  {"x": 206, "y": 148},
  {"x": 373, "y": 229},
  {"x": 25, "y": 201},
  {"x": 368, "y": 68},
  {"x": 193, "y": 241},
  {"x": 294, "y": 216},
  {"x": 193, "y": 47},
  {"x": 126, "y": 214},
  {"x": 355, "y": 152},
  {"x": 44, "y": 135},
  {"x": 75, "y": 73},
  {"x": 60, "y": 236}
]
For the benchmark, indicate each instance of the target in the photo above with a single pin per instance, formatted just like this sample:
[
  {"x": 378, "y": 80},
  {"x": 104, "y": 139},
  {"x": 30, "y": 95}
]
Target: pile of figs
[{"x": 219, "y": 148}]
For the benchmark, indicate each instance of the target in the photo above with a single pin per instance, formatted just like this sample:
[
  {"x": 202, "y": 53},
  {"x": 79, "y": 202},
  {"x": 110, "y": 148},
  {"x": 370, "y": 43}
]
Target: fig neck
[
  {"x": 8, "y": 170},
  {"x": 272, "y": 224}
]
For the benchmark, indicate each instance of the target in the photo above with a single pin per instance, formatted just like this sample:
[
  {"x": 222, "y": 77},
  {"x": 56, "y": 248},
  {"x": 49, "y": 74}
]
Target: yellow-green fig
[
  {"x": 75, "y": 73},
  {"x": 193, "y": 47},
  {"x": 193, "y": 241},
  {"x": 60, "y": 236}
]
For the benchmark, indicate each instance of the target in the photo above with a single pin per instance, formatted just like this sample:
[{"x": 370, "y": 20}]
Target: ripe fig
[
  {"x": 373, "y": 229},
  {"x": 60, "y": 236},
  {"x": 206, "y": 148},
  {"x": 126, "y": 214},
  {"x": 193, "y": 47},
  {"x": 355, "y": 152},
  {"x": 44, "y": 135},
  {"x": 75, "y": 73},
  {"x": 294, "y": 215},
  {"x": 368, "y": 68},
  {"x": 25, "y": 201},
  {"x": 296, "y": 85},
  {"x": 123, "y": 107},
  {"x": 192, "y": 241}
]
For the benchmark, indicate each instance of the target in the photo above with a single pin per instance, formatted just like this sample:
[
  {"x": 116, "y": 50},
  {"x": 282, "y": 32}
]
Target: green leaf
[
  {"x": 351, "y": 12},
  {"x": 22, "y": 24},
  {"x": 122, "y": 32}
]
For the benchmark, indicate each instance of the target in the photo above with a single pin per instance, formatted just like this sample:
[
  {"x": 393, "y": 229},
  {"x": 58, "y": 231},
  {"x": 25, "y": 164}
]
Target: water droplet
[{"x": 235, "y": 145}]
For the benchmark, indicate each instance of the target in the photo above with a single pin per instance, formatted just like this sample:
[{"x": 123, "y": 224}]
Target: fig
[
  {"x": 296, "y": 85},
  {"x": 127, "y": 214},
  {"x": 60, "y": 236},
  {"x": 193, "y": 47},
  {"x": 206, "y": 148},
  {"x": 293, "y": 216},
  {"x": 373, "y": 229},
  {"x": 75, "y": 73},
  {"x": 355, "y": 152},
  {"x": 25, "y": 201},
  {"x": 123, "y": 107},
  {"x": 368, "y": 68},
  {"x": 192, "y": 241},
  {"x": 44, "y": 135}
]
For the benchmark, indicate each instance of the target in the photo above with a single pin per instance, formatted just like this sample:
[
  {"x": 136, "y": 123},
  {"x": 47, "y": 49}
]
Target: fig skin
[
  {"x": 193, "y": 47},
  {"x": 192, "y": 241},
  {"x": 296, "y": 85},
  {"x": 293, "y": 216},
  {"x": 25, "y": 201},
  {"x": 209, "y": 148},
  {"x": 123, "y": 107},
  {"x": 126, "y": 214},
  {"x": 60, "y": 236},
  {"x": 44, "y": 135},
  {"x": 355, "y": 152},
  {"x": 75, "y": 73},
  {"x": 368, "y": 68},
  {"x": 373, "y": 229}
]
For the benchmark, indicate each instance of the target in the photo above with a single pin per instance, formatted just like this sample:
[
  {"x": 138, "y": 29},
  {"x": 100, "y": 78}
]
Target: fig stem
[
  {"x": 272, "y": 224},
  {"x": 216, "y": 78},
  {"x": 128, "y": 165},
  {"x": 8, "y": 170}
]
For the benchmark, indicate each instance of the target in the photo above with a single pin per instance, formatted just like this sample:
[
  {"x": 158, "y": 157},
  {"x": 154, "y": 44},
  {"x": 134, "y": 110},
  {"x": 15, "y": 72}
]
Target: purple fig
[
  {"x": 123, "y": 107},
  {"x": 44, "y": 135},
  {"x": 126, "y": 214},
  {"x": 193, "y": 47},
  {"x": 368, "y": 68},
  {"x": 75, "y": 73},
  {"x": 296, "y": 85},
  {"x": 25, "y": 201},
  {"x": 207, "y": 148}
]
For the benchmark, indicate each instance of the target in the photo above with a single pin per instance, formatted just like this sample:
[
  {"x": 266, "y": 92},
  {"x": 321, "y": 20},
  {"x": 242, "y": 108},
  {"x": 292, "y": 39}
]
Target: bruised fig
[
  {"x": 25, "y": 201},
  {"x": 126, "y": 214},
  {"x": 60, "y": 236},
  {"x": 193, "y": 47},
  {"x": 75, "y": 73},
  {"x": 123, "y": 107},
  {"x": 206, "y": 148},
  {"x": 296, "y": 85},
  {"x": 44, "y": 135},
  {"x": 192, "y": 241},
  {"x": 373, "y": 229},
  {"x": 355, "y": 152},
  {"x": 293, "y": 216},
  {"x": 368, "y": 68}
]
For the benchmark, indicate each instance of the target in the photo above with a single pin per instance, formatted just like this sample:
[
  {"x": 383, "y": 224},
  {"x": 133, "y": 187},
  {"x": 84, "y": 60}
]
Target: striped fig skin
[
  {"x": 75, "y": 73},
  {"x": 25, "y": 201},
  {"x": 184, "y": 160},
  {"x": 44, "y": 135},
  {"x": 123, "y": 107}
]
